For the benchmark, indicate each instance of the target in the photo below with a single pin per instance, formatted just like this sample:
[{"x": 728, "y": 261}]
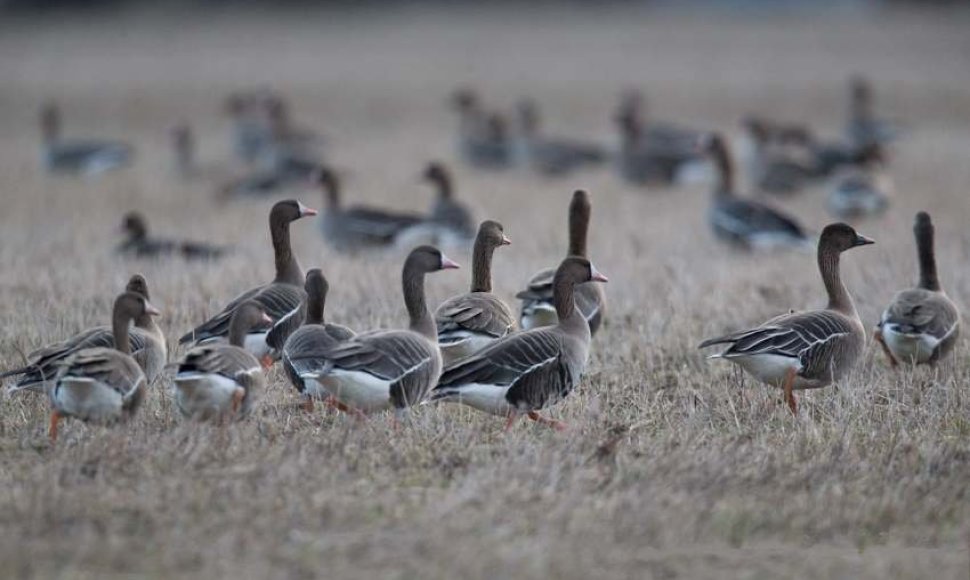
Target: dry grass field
[{"x": 715, "y": 480}]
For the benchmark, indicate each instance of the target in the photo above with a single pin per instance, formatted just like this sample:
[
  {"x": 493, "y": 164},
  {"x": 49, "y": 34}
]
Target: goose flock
[{"x": 474, "y": 349}]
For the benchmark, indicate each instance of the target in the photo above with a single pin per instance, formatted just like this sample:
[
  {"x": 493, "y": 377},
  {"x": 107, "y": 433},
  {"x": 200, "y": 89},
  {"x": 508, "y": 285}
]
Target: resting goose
[
  {"x": 863, "y": 128},
  {"x": 140, "y": 244},
  {"x": 551, "y": 157},
  {"x": 921, "y": 325},
  {"x": 483, "y": 141},
  {"x": 221, "y": 380},
  {"x": 388, "y": 369},
  {"x": 280, "y": 299},
  {"x": 450, "y": 223},
  {"x": 301, "y": 353},
  {"x": 528, "y": 371},
  {"x": 811, "y": 349},
  {"x": 87, "y": 157},
  {"x": 538, "y": 299},
  {"x": 780, "y": 160},
  {"x": 146, "y": 340},
  {"x": 745, "y": 223},
  {"x": 358, "y": 227},
  {"x": 102, "y": 384},
  {"x": 468, "y": 322},
  {"x": 862, "y": 191}
]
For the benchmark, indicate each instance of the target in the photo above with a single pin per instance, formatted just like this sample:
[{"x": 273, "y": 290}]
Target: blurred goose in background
[
  {"x": 281, "y": 299},
  {"x": 183, "y": 151},
  {"x": 745, "y": 223},
  {"x": 548, "y": 156},
  {"x": 139, "y": 243},
  {"x": 358, "y": 227},
  {"x": 811, "y": 349},
  {"x": 102, "y": 384},
  {"x": 863, "y": 128},
  {"x": 221, "y": 380},
  {"x": 388, "y": 369},
  {"x": 303, "y": 350},
  {"x": 85, "y": 157},
  {"x": 920, "y": 325},
  {"x": 525, "y": 372},
  {"x": 450, "y": 223},
  {"x": 468, "y": 322},
  {"x": 778, "y": 158},
  {"x": 862, "y": 191},
  {"x": 644, "y": 161},
  {"x": 250, "y": 130},
  {"x": 146, "y": 343},
  {"x": 483, "y": 139},
  {"x": 538, "y": 299}
]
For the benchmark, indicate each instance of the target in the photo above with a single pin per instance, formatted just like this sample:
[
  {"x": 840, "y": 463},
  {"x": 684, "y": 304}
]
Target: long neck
[
  {"x": 482, "y": 266},
  {"x": 119, "y": 327},
  {"x": 287, "y": 268},
  {"x": 443, "y": 183},
  {"x": 578, "y": 227},
  {"x": 331, "y": 192},
  {"x": 563, "y": 295},
  {"x": 147, "y": 323},
  {"x": 928, "y": 278},
  {"x": 420, "y": 319},
  {"x": 238, "y": 328},
  {"x": 828, "y": 266},
  {"x": 315, "y": 307},
  {"x": 725, "y": 170}
]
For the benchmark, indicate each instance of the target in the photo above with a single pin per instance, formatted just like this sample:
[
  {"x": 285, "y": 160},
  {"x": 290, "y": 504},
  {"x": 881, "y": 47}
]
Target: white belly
[
  {"x": 909, "y": 348},
  {"x": 87, "y": 399},
  {"x": 202, "y": 395},
  {"x": 254, "y": 343},
  {"x": 468, "y": 345},
  {"x": 767, "y": 368},
  {"x": 359, "y": 390},
  {"x": 486, "y": 398}
]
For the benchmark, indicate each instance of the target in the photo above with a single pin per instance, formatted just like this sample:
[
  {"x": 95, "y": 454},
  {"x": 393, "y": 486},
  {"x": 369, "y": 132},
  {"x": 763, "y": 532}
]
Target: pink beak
[
  {"x": 447, "y": 264},
  {"x": 305, "y": 211},
  {"x": 596, "y": 276},
  {"x": 506, "y": 241},
  {"x": 151, "y": 310},
  {"x": 267, "y": 319}
]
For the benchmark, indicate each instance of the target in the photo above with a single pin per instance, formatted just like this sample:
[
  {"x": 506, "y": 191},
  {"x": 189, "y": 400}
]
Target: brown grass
[{"x": 715, "y": 481}]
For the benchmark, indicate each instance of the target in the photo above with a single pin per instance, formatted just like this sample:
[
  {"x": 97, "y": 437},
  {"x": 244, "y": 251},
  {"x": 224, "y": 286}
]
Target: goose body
[
  {"x": 551, "y": 156},
  {"x": 863, "y": 128},
  {"x": 921, "y": 324},
  {"x": 858, "y": 194},
  {"x": 483, "y": 139},
  {"x": 140, "y": 244},
  {"x": 85, "y": 157}
]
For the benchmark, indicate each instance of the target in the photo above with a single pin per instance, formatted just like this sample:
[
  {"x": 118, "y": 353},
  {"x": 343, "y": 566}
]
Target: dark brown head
[
  {"x": 578, "y": 270},
  {"x": 139, "y": 285},
  {"x": 50, "y": 122},
  {"x": 326, "y": 179},
  {"x": 135, "y": 225},
  {"x": 629, "y": 112},
  {"x": 860, "y": 90},
  {"x": 427, "y": 259},
  {"x": 437, "y": 174},
  {"x": 248, "y": 316},
  {"x": 131, "y": 305},
  {"x": 841, "y": 237},
  {"x": 287, "y": 211},
  {"x": 492, "y": 234}
]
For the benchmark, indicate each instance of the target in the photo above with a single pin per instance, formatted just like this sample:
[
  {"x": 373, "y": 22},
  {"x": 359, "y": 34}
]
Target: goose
[
  {"x": 483, "y": 140},
  {"x": 250, "y": 131},
  {"x": 863, "y": 128},
  {"x": 280, "y": 299},
  {"x": 651, "y": 133},
  {"x": 140, "y": 244},
  {"x": 468, "y": 322},
  {"x": 450, "y": 223},
  {"x": 920, "y": 325},
  {"x": 528, "y": 371},
  {"x": 811, "y": 349},
  {"x": 86, "y": 157},
  {"x": 780, "y": 159},
  {"x": 551, "y": 157},
  {"x": 745, "y": 223},
  {"x": 863, "y": 191},
  {"x": 221, "y": 380},
  {"x": 102, "y": 384},
  {"x": 358, "y": 227},
  {"x": 538, "y": 299},
  {"x": 301, "y": 354},
  {"x": 146, "y": 342},
  {"x": 643, "y": 161},
  {"x": 388, "y": 369}
]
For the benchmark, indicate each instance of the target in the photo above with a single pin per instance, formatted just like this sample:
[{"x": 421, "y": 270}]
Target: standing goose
[
  {"x": 551, "y": 157},
  {"x": 102, "y": 384},
  {"x": 920, "y": 325},
  {"x": 532, "y": 370},
  {"x": 862, "y": 191},
  {"x": 745, "y": 223},
  {"x": 388, "y": 369},
  {"x": 146, "y": 342},
  {"x": 811, "y": 349},
  {"x": 219, "y": 380},
  {"x": 468, "y": 322},
  {"x": 538, "y": 299},
  {"x": 447, "y": 211},
  {"x": 302, "y": 352},
  {"x": 280, "y": 299},
  {"x": 140, "y": 244},
  {"x": 87, "y": 157},
  {"x": 357, "y": 227},
  {"x": 482, "y": 138},
  {"x": 863, "y": 128}
]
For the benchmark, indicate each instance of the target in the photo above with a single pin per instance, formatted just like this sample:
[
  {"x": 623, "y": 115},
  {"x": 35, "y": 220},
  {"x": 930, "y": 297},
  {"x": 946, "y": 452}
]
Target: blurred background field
[{"x": 715, "y": 479}]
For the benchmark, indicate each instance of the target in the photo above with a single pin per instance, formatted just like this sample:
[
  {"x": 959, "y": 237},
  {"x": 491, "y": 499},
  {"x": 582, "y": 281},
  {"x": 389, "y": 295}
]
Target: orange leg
[
  {"x": 557, "y": 425},
  {"x": 788, "y": 385},
  {"x": 307, "y": 404},
  {"x": 334, "y": 403},
  {"x": 267, "y": 361},
  {"x": 52, "y": 429},
  {"x": 237, "y": 398},
  {"x": 885, "y": 349},
  {"x": 513, "y": 417}
]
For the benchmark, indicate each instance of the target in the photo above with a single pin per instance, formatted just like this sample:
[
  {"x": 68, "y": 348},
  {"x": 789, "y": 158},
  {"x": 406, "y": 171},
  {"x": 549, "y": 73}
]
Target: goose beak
[
  {"x": 862, "y": 240},
  {"x": 448, "y": 264},
  {"x": 596, "y": 276},
  {"x": 506, "y": 241},
  {"x": 305, "y": 211},
  {"x": 267, "y": 319},
  {"x": 151, "y": 310}
]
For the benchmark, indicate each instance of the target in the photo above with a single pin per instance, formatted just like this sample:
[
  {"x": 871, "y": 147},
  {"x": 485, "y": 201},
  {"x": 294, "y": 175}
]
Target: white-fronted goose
[
  {"x": 811, "y": 349},
  {"x": 303, "y": 350},
  {"x": 863, "y": 128},
  {"x": 146, "y": 341},
  {"x": 389, "y": 369},
  {"x": 921, "y": 325},
  {"x": 102, "y": 384},
  {"x": 141, "y": 244},
  {"x": 280, "y": 299},
  {"x": 469, "y": 322},
  {"x": 357, "y": 227},
  {"x": 862, "y": 191},
  {"x": 548, "y": 156},
  {"x": 745, "y": 223},
  {"x": 222, "y": 380},
  {"x": 447, "y": 211},
  {"x": 483, "y": 140},
  {"x": 528, "y": 371},
  {"x": 87, "y": 157},
  {"x": 538, "y": 299}
]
